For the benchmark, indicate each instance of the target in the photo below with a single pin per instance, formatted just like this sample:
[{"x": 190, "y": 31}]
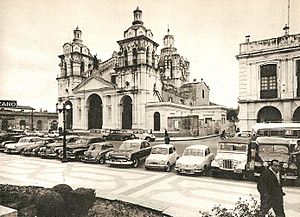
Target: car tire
[
  {"x": 101, "y": 160},
  {"x": 215, "y": 174},
  {"x": 135, "y": 162},
  {"x": 168, "y": 169},
  {"x": 148, "y": 139}
]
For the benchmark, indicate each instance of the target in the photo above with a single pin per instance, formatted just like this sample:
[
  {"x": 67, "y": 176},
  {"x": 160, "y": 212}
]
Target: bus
[{"x": 285, "y": 130}]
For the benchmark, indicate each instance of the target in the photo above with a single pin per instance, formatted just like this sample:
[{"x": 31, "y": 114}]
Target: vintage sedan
[
  {"x": 143, "y": 134},
  {"x": 76, "y": 149},
  {"x": 195, "y": 160},
  {"x": 51, "y": 150},
  {"x": 15, "y": 148},
  {"x": 120, "y": 135},
  {"x": 97, "y": 152},
  {"x": 10, "y": 139},
  {"x": 33, "y": 149},
  {"x": 162, "y": 156},
  {"x": 131, "y": 152}
]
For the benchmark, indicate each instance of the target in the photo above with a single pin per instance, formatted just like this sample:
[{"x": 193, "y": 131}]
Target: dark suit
[{"x": 271, "y": 193}]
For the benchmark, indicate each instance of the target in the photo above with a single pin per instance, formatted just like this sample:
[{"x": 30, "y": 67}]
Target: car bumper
[
  {"x": 156, "y": 166},
  {"x": 11, "y": 151},
  {"x": 236, "y": 171},
  {"x": 119, "y": 162},
  {"x": 89, "y": 159},
  {"x": 188, "y": 170}
]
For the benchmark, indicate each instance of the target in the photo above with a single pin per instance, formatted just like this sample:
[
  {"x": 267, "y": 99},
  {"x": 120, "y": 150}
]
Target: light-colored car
[
  {"x": 143, "y": 134},
  {"x": 97, "y": 152},
  {"x": 53, "y": 133},
  {"x": 162, "y": 156},
  {"x": 16, "y": 148},
  {"x": 195, "y": 160}
]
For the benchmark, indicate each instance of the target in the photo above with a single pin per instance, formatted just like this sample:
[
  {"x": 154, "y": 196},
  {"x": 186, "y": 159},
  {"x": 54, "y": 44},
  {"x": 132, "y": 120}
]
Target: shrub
[
  {"x": 50, "y": 204},
  {"x": 243, "y": 208}
]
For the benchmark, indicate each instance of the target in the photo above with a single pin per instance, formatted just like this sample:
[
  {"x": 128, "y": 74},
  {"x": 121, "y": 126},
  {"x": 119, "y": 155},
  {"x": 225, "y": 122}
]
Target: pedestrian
[
  {"x": 296, "y": 153},
  {"x": 269, "y": 186},
  {"x": 167, "y": 137}
]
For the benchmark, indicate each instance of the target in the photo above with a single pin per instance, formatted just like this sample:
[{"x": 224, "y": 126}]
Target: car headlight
[
  {"x": 162, "y": 162},
  {"x": 265, "y": 164},
  {"x": 285, "y": 165},
  {"x": 178, "y": 164},
  {"x": 33, "y": 150},
  {"x": 220, "y": 162}
]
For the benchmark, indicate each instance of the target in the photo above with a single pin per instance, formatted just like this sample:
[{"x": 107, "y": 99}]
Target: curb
[{"x": 187, "y": 138}]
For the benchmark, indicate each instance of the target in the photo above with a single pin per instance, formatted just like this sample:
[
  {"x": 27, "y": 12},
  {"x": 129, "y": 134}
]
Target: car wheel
[
  {"x": 148, "y": 139},
  {"x": 101, "y": 160},
  {"x": 215, "y": 173},
  {"x": 168, "y": 169},
  {"x": 135, "y": 162},
  {"x": 205, "y": 171}
]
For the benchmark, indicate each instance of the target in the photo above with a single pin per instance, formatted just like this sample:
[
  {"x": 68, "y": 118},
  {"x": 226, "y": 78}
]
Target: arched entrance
[
  {"x": 4, "y": 125},
  {"x": 126, "y": 112},
  {"x": 69, "y": 115},
  {"x": 39, "y": 125},
  {"x": 269, "y": 114},
  {"x": 95, "y": 116},
  {"x": 156, "y": 121},
  {"x": 22, "y": 124},
  {"x": 296, "y": 115}
]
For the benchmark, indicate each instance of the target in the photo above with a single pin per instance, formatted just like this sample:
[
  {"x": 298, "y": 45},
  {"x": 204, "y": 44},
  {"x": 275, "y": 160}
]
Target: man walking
[{"x": 269, "y": 186}]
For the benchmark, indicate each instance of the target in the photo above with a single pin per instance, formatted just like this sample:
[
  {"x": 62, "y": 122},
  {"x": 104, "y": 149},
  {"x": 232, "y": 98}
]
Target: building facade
[
  {"x": 269, "y": 80},
  {"x": 137, "y": 87},
  {"x": 24, "y": 117}
]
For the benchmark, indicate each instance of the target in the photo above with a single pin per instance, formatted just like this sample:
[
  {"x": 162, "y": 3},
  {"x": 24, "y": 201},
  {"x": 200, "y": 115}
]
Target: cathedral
[{"x": 138, "y": 87}]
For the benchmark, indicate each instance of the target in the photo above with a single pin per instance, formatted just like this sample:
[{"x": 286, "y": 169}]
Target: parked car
[
  {"x": 245, "y": 134},
  {"x": 53, "y": 133},
  {"x": 162, "y": 156},
  {"x": 120, "y": 135},
  {"x": 195, "y": 159},
  {"x": 101, "y": 132},
  {"x": 51, "y": 149},
  {"x": 76, "y": 149},
  {"x": 143, "y": 134},
  {"x": 97, "y": 152},
  {"x": 232, "y": 157},
  {"x": 130, "y": 152},
  {"x": 33, "y": 149},
  {"x": 11, "y": 139},
  {"x": 15, "y": 148}
]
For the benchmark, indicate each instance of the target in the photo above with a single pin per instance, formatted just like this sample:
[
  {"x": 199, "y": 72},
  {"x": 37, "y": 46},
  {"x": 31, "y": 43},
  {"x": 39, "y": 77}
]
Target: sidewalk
[{"x": 187, "y": 138}]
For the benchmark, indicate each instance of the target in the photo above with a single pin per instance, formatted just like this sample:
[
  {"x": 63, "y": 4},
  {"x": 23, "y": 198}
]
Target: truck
[{"x": 247, "y": 158}]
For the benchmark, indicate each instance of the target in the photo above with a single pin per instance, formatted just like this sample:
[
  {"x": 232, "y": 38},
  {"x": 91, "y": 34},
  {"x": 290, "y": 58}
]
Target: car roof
[
  {"x": 136, "y": 140},
  {"x": 273, "y": 140},
  {"x": 101, "y": 143},
  {"x": 241, "y": 140},
  {"x": 200, "y": 147},
  {"x": 163, "y": 146}
]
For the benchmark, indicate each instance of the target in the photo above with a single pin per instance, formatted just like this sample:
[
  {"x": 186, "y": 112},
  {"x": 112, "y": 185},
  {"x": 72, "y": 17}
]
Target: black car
[
  {"x": 120, "y": 135},
  {"x": 33, "y": 149},
  {"x": 97, "y": 152},
  {"x": 130, "y": 152},
  {"x": 75, "y": 150}
]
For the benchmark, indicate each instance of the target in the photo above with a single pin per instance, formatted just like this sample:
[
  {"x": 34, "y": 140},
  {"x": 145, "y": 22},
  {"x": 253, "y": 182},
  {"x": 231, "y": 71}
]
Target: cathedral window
[
  {"x": 82, "y": 67},
  {"x": 134, "y": 56},
  {"x": 125, "y": 58},
  {"x": 153, "y": 58},
  {"x": 113, "y": 79},
  {"x": 147, "y": 55},
  {"x": 298, "y": 77},
  {"x": 268, "y": 81}
]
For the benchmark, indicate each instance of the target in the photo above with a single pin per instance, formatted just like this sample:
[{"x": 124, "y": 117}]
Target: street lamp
[{"x": 63, "y": 108}]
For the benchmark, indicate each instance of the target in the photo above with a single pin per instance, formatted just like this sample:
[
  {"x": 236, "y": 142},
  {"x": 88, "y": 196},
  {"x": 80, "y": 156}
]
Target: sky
[{"x": 207, "y": 33}]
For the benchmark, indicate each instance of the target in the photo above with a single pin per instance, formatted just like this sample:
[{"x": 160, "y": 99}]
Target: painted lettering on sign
[{"x": 8, "y": 103}]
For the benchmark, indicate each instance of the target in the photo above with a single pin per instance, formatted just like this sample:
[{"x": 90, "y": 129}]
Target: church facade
[{"x": 137, "y": 87}]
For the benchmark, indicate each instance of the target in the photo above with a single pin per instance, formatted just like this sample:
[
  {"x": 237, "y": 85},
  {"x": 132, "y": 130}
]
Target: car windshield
[
  {"x": 193, "y": 152},
  {"x": 273, "y": 149},
  {"x": 159, "y": 150},
  {"x": 82, "y": 141},
  {"x": 95, "y": 147},
  {"x": 233, "y": 147},
  {"x": 129, "y": 146},
  {"x": 25, "y": 140}
]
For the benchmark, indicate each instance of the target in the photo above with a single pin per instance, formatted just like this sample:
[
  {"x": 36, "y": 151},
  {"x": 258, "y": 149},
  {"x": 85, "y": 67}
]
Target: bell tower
[{"x": 74, "y": 65}]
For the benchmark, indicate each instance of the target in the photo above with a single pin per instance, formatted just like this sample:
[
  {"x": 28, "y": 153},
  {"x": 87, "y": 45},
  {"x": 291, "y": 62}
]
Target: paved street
[{"x": 176, "y": 195}]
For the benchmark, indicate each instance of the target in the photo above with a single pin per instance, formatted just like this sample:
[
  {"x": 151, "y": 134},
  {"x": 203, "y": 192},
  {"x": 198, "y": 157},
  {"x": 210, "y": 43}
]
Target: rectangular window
[
  {"x": 268, "y": 81},
  {"x": 202, "y": 93},
  {"x": 113, "y": 79},
  {"x": 298, "y": 77}
]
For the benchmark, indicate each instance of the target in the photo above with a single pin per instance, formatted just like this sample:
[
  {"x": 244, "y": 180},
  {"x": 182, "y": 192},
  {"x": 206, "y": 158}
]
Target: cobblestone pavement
[{"x": 175, "y": 194}]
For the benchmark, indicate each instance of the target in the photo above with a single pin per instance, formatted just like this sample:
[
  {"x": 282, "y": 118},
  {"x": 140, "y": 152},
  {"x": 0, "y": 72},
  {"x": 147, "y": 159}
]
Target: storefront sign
[{"x": 8, "y": 103}]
